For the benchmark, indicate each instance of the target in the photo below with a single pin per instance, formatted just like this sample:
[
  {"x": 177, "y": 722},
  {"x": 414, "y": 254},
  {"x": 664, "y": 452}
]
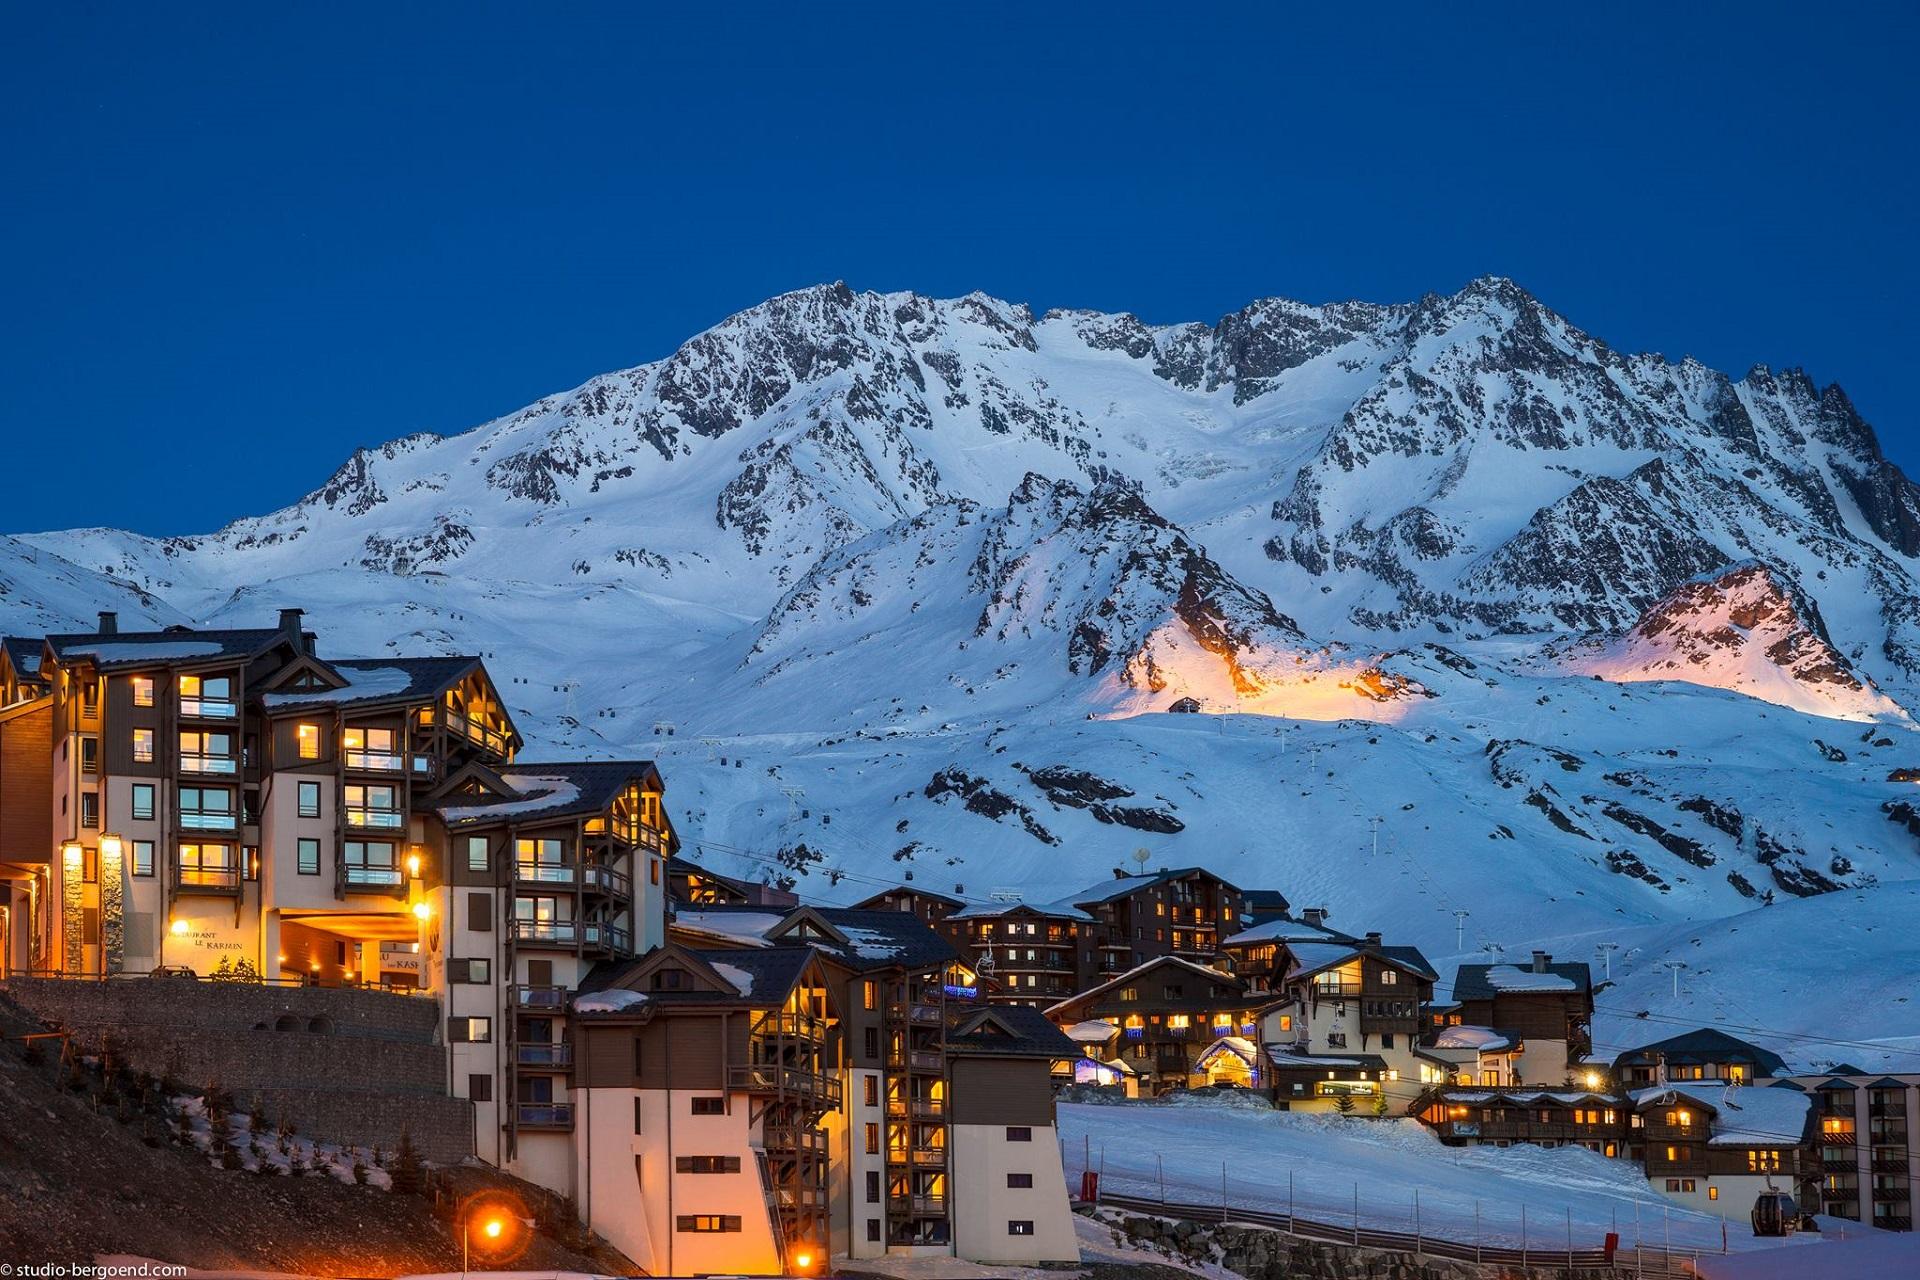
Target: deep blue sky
[{"x": 242, "y": 240}]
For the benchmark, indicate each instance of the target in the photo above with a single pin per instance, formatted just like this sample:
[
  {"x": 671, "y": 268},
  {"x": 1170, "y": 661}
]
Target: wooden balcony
[{"x": 529, "y": 997}]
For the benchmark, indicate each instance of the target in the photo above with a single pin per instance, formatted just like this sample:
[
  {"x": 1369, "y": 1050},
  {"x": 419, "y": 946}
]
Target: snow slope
[{"x": 1322, "y": 1165}]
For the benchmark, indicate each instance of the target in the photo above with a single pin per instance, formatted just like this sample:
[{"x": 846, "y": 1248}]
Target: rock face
[{"x": 1745, "y": 628}]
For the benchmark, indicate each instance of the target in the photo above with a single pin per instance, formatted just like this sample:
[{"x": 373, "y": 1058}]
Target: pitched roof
[
  {"x": 922, "y": 891},
  {"x": 25, "y": 654},
  {"x": 174, "y": 645},
  {"x": 1017, "y": 1030},
  {"x": 1285, "y": 931},
  {"x": 1486, "y": 981},
  {"x": 992, "y": 910},
  {"x": 1091, "y": 992},
  {"x": 544, "y": 791},
  {"x": 1742, "y": 1115},
  {"x": 1312, "y": 957},
  {"x": 1706, "y": 1045},
  {"x": 1121, "y": 886},
  {"x": 759, "y": 977},
  {"x": 875, "y": 939},
  {"x": 1281, "y": 1055},
  {"x": 378, "y": 680}
]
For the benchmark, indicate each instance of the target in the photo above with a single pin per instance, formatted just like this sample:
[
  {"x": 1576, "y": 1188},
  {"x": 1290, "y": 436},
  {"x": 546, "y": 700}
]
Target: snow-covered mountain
[{"x": 872, "y": 573}]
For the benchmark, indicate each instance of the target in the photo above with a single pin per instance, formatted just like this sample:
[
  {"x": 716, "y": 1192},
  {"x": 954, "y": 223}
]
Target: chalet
[
  {"x": 928, "y": 905},
  {"x": 1255, "y": 955},
  {"x": 1715, "y": 1146},
  {"x": 1705, "y": 1054},
  {"x": 1034, "y": 953},
  {"x": 1183, "y": 912},
  {"x": 1344, "y": 1019},
  {"x": 1505, "y": 1117},
  {"x": 1168, "y": 1011},
  {"x": 1538, "y": 1012},
  {"x": 1868, "y": 1143},
  {"x": 694, "y": 885}
]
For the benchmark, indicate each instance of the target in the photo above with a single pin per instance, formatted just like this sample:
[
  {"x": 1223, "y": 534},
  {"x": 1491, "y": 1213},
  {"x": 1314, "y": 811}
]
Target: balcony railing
[
  {"x": 789, "y": 1139},
  {"x": 210, "y": 879},
  {"x": 917, "y": 1155},
  {"x": 489, "y": 740},
  {"x": 919, "y": 1060},
  {"x": 532, "y": 871},
  {"x": 544, "y": 1055},
  {"x": 925, "y": 1014},
  {"x": 203, "y": 820},
  {"x": 545, "y": 1115},
  {"x": 208, "y": 708},
  {"x": 568, "y": 932},
  {"x": 1889, "y": 1164},
  {"x": 919, "y": 1205},
  {"x": 605, "y": 879},
  {"x": 369, "y": 818},
  {"x": 376, "y": 877},
  {"x": 529, "y": 997},
  {"x": 198, "y": 762},
  {"x": 768, "y": 1078},
  {"x": 375, "y": 761},
  {"x": 798, "y": 1026}
]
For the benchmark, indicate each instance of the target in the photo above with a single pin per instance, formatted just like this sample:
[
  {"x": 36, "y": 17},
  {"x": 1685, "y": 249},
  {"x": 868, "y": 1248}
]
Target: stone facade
[{"x": 342, "y": 1065}]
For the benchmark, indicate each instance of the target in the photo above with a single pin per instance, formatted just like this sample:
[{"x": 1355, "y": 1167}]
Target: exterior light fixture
[
  {"x": 110, "y": 845},
  {"x": 1593, "y": 1079},
  {"x": 422, "y": 910},
  {"x": 71, "y": 852},
  {"x": 413, "y": 865},
  {"x": 179, "y": 927},
  {"x": 281, "y": 958}
]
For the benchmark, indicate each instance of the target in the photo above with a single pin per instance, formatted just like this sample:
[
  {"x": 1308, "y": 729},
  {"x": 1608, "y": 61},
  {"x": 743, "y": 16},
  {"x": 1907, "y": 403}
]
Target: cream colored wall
[
  {"x": 281, "y": 828},
  {"x": 630, "y": 1193},
  {"x": 1736, "y": 1194},
  {"x": 847, "y": 1182},
  {"x": 982, "y": 1203},
  {"x": 546, "y": 1159}
]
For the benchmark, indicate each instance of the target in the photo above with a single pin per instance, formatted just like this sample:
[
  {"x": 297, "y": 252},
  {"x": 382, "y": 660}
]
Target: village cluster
[{"x": 725, "y": 1078}]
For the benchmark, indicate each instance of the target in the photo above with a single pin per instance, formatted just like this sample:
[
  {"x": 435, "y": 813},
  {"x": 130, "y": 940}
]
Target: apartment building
[
  {"x": 1700, "y": 1055},
  {"x": 1183, "y": 912},
  {"x": 1034, "y": 954},
  {"x": 1715, "y": 1147},
  {"x": 929, "y": 905},
  {"x": 1505, "y": 1117},
  {"x": 1868, "y": 1144},
  {"x": 229, "y": 802},
  {"x": 843, "y": 1075}
]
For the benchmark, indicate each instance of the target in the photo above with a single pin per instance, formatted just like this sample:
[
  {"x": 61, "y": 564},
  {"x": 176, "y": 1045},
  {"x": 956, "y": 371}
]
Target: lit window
[
  {"x": 1713, "y": 1193},
  {"x": 307, "y": 736},
  {"x": 143, "y": 746},
  {"x": 143, "y": 691}
]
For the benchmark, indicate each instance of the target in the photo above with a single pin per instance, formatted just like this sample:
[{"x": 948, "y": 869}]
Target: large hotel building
[{"x": 735, "y": 1092}]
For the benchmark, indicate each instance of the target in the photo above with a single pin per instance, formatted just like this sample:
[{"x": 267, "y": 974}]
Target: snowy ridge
[{"x": 892, "y": 567}]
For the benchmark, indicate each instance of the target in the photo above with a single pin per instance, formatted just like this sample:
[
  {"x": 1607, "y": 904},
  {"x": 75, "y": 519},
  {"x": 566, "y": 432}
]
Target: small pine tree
[
  {"x": 409, "y": 1175},
  {"x": 1379, "y": 1105},
  {"x": 359, "y": 1170},
  {"x": 1344, "y": 1104}
]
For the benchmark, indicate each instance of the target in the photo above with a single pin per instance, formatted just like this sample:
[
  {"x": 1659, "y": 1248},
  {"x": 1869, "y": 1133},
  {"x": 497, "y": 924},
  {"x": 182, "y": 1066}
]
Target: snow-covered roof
[
  {"x": 1742, "y": 1115},
  {"x": 551, "y": 790},
  {"x": 742, "y": 980},
  {"x": 613, "y": 1000},
  {"x": 747, "y": 928},
  {"x": 1485, "y": 1039},
  {"x": 374, "y": 680},
  {"x": 1511, "y": 977},
  {"x": 1092, "y": 1031},
  {"x": 1312, "y": 957},
  {"x": 1282, "y": 931},
  {"x": 1523, "y": 1097},
  {"x": 1239, "y": 1046},
  {"x": 993, "y": 910},
  {"x": 535, "y": 795},
  {"x": 1284, "y": 1055}
]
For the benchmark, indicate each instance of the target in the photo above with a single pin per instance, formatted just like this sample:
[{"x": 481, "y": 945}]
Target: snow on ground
[
  {"x": 1872, "y": 1255},
  {"x": 284, "y": 1154},
  {"x": 1195, "y": 1143}
]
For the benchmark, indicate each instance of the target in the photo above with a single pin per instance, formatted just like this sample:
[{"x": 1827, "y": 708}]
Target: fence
[{"x": 1526, "y": 1235}]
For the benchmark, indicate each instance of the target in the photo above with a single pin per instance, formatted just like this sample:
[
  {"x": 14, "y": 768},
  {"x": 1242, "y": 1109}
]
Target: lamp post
[{"x": 493, "y": 1227}]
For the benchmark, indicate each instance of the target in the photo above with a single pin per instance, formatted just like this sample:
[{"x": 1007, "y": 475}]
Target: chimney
[
  {"x": 290, "y": 626},
  {"x": 1540, "y": 961},
  {"x": 1315, "y": 916},
  {"x": 1373, "y": 940},
  {"x": 1119, "y": 873},
  {"x": 109, "y": 623}
]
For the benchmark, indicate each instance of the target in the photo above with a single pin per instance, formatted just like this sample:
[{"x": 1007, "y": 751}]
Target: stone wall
[
  {"x": 1260, "y": 1253},
  {"x": 342, "y": 1065}
]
